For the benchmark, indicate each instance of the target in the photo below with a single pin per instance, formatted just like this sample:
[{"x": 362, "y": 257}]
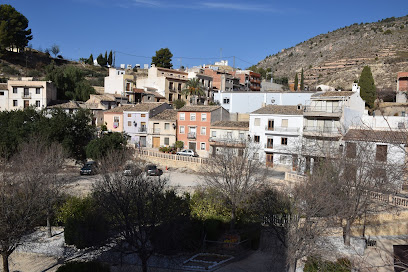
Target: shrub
[
  {"x": 83, "y": 267},
  {"x": 84, "y": 224},
  {"x": 387, "y": 32},
  {"x": 179, "y": 103}
]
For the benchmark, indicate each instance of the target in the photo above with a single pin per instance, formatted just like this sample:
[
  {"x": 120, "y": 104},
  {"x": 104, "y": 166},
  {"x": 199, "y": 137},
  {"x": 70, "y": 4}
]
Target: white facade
[
  {"x": 118, "y": 82},
  {"x": 21, "y": 94},
  {"x": 246, "y": 102},
  {"x": 278, "y": 137}
]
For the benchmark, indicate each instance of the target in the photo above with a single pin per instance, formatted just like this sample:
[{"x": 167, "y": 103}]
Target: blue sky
[{"x": 196, "y": 31}]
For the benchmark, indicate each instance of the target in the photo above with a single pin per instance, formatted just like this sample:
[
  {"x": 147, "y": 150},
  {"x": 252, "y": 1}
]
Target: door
[
  {"x": 26, "y": 103},
  {"x": 143, "y": 141},
  {"x": 156, "y": 142},
  {"x": 192, "y": 145},
  {"x": 269, "y": 160}
]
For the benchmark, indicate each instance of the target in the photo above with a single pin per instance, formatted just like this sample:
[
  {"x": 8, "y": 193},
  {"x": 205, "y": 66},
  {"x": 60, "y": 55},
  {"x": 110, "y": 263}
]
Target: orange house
[{"x": 193, "y": 126}]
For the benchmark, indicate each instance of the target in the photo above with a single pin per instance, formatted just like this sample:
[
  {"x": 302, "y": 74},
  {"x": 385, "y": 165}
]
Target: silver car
[{"x": 187, "y": 152}]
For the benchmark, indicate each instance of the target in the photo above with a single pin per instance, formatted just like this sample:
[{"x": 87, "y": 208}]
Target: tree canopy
[
  {"x": 367, "y": 86},
  {"x": 193, "y": 88},
  {"x": 163, "y": 58},
  {"x": 70, "y": 82},
  {"x": 100, "y": 147},
  {"x": 13, "y": 28}
]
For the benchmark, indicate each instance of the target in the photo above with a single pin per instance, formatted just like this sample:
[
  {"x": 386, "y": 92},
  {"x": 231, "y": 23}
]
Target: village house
[
  {"x": 163, "y": 129},
  {"x": 194, "y": 124},
  {"x": 21, "y": 94},
  {"x": 277, "y": 129},
  {"x": 228, "y": 134}
]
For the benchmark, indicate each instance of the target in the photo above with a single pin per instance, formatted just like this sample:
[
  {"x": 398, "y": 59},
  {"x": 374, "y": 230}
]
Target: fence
[{"x": 168, "y": 156}]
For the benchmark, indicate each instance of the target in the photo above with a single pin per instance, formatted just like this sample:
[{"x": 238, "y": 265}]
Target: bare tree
[
  {"x": 55, "y": 49},
  {"x": 134, "y": 201},
  {"x": 235, "y": 172}
]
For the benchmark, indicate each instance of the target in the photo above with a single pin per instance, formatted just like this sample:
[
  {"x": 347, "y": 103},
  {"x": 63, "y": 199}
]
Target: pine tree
[
  {"x": 296, "y": 82},
  {"x": 302, "y": 83},
  {"x": 110, "y": 58},
  {"x": 367, "y": 86},
  {"x": 90, "y": 60}
]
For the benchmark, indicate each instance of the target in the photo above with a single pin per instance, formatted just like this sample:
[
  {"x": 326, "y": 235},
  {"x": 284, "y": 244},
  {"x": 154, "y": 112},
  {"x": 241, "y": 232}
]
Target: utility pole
[{"x": 220, "y": 53}]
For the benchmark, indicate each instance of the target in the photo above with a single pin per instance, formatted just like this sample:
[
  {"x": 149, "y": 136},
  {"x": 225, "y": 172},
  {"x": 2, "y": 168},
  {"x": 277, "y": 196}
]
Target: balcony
[
  {"x": 191, "y": 135},
  {"x": 322, "y": 131},
  {"x": 214, "y": 141},
  {"x": 155, "y": 131},
  {"x": 142, "y": 130},
  {"x": 281, "y": 130},
  {"x": 26, "y": 96},
  {"x": 324, "y": 111}
]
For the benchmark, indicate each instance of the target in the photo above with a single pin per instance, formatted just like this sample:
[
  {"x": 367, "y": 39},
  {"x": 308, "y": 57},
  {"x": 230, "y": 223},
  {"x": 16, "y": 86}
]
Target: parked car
[
  {"x": 187, "y": 152},
  {"x": 89, "y": 168},
  {"x": 152, "y": 170}
]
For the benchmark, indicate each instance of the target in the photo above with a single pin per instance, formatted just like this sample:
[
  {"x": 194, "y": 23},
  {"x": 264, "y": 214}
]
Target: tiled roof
[
  {"x": 156, "y": 94},
  {"x": 339, "y": 93},
  {"x": 3, "y": 86},
  {"x": 169, "y": 114},
  {"x": 383, "y": 136},
  {"x": 138, "y": 107},
  {"x": 199, "y": 108},
  {"x": 68, "y": 105},
  {"x": 279, "y": 109},
  {"x": 231, "y": 124},
  {"x": 106, "y": 97}
]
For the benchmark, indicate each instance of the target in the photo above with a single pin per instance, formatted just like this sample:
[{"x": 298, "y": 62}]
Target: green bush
[
  {"x": 387, "y": 32},
  {"x": 84, "y": 267},
  {"x": 84, "y": 224},
  {"x": 98, "y": 148}
]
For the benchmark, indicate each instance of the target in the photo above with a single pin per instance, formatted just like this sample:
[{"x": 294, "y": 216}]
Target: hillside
[{"x": 337, "y": 58}]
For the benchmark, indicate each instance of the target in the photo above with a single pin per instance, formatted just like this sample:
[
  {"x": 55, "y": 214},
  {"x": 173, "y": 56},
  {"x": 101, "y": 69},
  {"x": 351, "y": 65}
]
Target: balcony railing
[
  {"x": 155, "y": 131},
  {"x": 282, "y": 129},
  {"x": 26, "y": 96},
  {"x": 142, "y": 129},
  {"x": 326, "y": 108},
  {"x": 270, "y": 146},
  {"x": 333, "y": 130},
  {"x": 191, "y": 135}
]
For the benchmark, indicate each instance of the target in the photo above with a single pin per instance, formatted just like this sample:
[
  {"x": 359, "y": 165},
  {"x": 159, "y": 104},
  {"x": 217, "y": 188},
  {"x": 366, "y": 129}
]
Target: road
[{"x": 180, "y": 179}]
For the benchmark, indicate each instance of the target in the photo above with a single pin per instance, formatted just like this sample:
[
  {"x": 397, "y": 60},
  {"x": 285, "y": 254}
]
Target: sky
[{"x": 196, "y": 31}]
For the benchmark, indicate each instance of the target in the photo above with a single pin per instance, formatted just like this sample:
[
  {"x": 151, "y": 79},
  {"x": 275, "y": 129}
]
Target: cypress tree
[
  {"x": 90, "y": 60},
  {"x": 106, "y": 57},
  {"x": 302, "y": 84},
  {"x": 110, "y": 58},
  {"x": 296, "y": 82},
  {"x": 367, "y": 86}
]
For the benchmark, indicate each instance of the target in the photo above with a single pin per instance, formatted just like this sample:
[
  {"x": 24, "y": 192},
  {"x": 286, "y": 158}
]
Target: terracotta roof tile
[
  {"x": 169, "y": 114},
  {"x": 339, "y": 93},
  {"x": 3, "y": 86},
  {"x": 383, "y": 136},
  {"x": 138, "y": 107},
  {"x": 199, "y": 108},
  {"x": 231, "y": 124},
  {"x": 279, "y": 109}
]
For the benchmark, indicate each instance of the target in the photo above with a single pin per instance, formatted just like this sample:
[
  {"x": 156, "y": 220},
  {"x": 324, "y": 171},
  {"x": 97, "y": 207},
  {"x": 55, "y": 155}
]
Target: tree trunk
[
  {"x": 346, "y": 232},
  {"x": 5, "y": 261},
  {"x": 233, "y": 216},
  {"x": 144, "y": 264},
  {"x": 49, "y": 232}
]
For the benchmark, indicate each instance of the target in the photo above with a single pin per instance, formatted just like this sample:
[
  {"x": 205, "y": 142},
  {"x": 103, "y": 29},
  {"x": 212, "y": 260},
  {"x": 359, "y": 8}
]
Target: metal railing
[
  {"x": 143, "y": 129},
  {"x": 26, "y": 96},
  {"x": 282, "y": 129},
  {"x": 321, "y": 129},
  {"x": 191, "y": 135},
  {"x": 326, "y": 108}
]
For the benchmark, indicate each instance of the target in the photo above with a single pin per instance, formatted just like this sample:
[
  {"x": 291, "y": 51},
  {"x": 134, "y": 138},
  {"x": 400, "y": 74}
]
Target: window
[
  {"x": 166, "y": 126},
  {"x": 284, "y": 122},
  {"x": 38, "y": 103},
  {"x": 170, "y": 85},
  {"x": 129, "y": 115},
  {"x": 269, "y": 143},
  {"x": 181, "y": 129},
  {"x": 240, "y": 152},
  {"x": 166, "y": 141},
  {"x": 1, "y": 93},
  {"x": 351, "y": 150},
  {"x": 37, "y": 91},
  {"x": 26, "y": 92},
  {"x": 380, "y": 175},
  {"x": 143, "y": 115},
  {"x": 203, "y": 130},
  {"x": 257, "y": 122},
  {"x": 226, "y": 101},
  {"x": 116, "y": 119},
  {"x": 129, "y": 123},
  {"x": 271, "y": 124},
  {"x": 403, "y": 113},
  {"x": 192, "y": 116},
  {"x": 14, "y": 89},
  {"x": 213, "y": 133},
  {"x": 179, "y": 87},
  {"x": 179, "y": 96},
  {"x": 202, "y": 146},
  {"x": 182, "y": 116},
  {"x": 15, "y": 103},
  {"x": 284, "y": 141},
  {"x": 381, "y": 153},
  {"x": 241, "y": 135},
  {"x": 203, "y": 117},
  {"x": 170, "y": 97},
  {"x": 257, "y": 139},
  {"x": 229, "y": 134},
  {"x": 401, "y": 125}
]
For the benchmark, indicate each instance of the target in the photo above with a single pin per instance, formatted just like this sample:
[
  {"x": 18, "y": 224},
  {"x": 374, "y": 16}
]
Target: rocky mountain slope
[{"x": 337, "y": 58}]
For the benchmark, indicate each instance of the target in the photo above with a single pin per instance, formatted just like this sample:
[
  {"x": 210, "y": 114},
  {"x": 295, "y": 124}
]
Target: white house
[
  {"x": 277, "y": 129},
  {"x": 247, "y": 102},
  {"x": 21, "y": 94},
  {"x": 228, "y": 134},
  {"x": 118, "y": 82}
]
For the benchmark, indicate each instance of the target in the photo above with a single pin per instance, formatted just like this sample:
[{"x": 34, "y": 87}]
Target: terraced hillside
[{"x": 337, "y": 58}]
